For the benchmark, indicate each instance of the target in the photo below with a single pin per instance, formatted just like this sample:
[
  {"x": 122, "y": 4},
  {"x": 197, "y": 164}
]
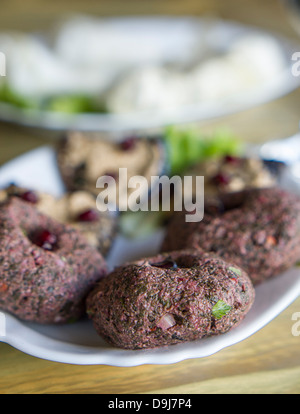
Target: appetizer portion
[
  {"x": 77, "y": 209},
  {"x": 230, "y": 174},
  {"x": 257, "y": 229},
  {"x": 170, "y": 298},
  {"x": 83, "y": 158},
  {"x": 46, "y": 268}
]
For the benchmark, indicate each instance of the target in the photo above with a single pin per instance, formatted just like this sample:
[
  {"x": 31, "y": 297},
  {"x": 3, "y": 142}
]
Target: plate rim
[{"x": 119, "y": 357}]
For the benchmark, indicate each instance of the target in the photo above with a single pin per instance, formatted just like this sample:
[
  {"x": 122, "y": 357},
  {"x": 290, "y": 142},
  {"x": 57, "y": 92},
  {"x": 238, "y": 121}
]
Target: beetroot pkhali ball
[
  {"x": 168, "y": 299},
  {"x": 46, "y": 268},
  {"x": 257, "y": 229}
]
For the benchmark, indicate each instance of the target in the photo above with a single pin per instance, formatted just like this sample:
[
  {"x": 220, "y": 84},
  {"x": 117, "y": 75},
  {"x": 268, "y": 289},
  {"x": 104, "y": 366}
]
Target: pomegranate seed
[
  {"x": 29, "y": 196},
  {"x": 128, "y": 144},
  {"x": 46, "y": 240},
  {"x": 221, "y": 179},
  {"x": 230, "y": 159},
  {"x": 89, "y": 215}
]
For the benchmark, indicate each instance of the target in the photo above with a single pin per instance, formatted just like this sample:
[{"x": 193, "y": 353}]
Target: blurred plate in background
[{"x": 135, "y": 73}]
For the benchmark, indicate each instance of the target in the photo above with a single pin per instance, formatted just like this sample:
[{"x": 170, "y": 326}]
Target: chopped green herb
[
  {"x": 9, "y": 96},
  {"x": 187, "y": 146},
  {"x": 220, "y": 309},
  {"x": 72, "y": 104},
  {"x": 235, "y": 270}
]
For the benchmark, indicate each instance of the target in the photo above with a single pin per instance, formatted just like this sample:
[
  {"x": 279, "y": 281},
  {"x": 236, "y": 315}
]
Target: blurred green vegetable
[
  {"x": 188, "y": 146},
  {"x": 8, "y": 95},
  {"x": 73, "y": 104}
]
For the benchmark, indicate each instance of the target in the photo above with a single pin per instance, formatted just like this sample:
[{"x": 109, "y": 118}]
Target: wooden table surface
[{"x": 266, "y": 362}]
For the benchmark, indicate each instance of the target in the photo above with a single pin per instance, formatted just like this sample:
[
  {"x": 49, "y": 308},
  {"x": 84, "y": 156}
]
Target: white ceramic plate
[
  {"x": 78, "y": 343},
  {"x": 180, "y": 36}
]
